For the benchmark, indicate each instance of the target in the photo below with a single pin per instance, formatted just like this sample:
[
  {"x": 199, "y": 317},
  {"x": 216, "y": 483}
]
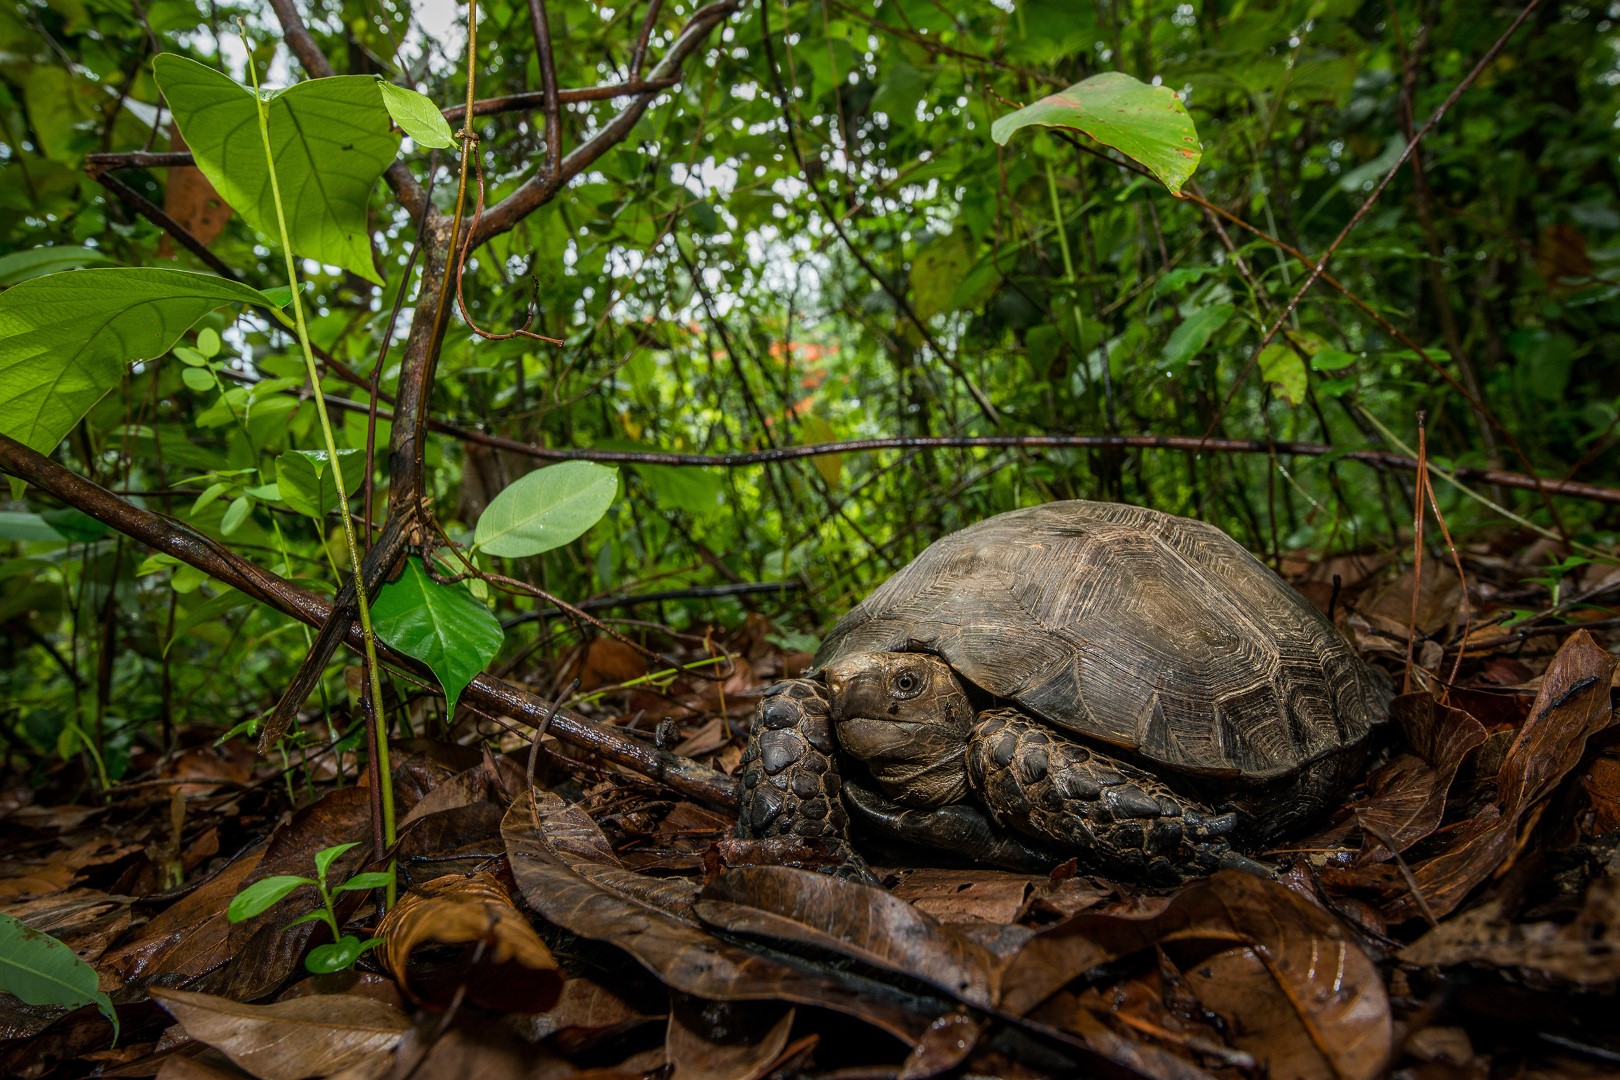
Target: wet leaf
[
  {"x": 457, "y": 931},
  {"x": 1408, "y": 795},
  {"x": 289, "y": 1040},
  {"x": 569, "y": 874},
  {"x": 1583, "y": 953},
  {"x": 1291, "y": 986},
  {"x": 858, "y": 921},
  {"x": 945, "y": 1045},
  {"x": 1571, "y": 706},
  {"x": 725, "y": 1040}
]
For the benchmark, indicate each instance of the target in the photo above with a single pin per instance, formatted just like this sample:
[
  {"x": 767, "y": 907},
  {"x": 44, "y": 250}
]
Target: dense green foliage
[{"x": 814, "y": 237}]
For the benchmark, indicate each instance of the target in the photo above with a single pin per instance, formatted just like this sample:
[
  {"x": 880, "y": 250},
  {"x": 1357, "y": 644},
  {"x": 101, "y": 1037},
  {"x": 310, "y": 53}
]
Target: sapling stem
[{"x": 385, "y": 782}]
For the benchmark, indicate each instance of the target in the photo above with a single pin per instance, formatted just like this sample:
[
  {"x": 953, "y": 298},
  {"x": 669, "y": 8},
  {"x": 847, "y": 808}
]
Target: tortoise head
[{"x": 907, "y": 717}]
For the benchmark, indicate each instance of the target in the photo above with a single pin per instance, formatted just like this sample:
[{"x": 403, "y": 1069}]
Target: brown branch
[
  {"x": 1378, "y": 459},
  {"x": 483, "y": 693},
  {"x": 161, "y": 218},
  {"x": 548, "y": 86}
]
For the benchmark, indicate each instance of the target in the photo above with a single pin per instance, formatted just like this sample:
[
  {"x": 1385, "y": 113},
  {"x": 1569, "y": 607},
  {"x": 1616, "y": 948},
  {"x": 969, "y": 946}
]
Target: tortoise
[{"x": 1078, "y": 679}]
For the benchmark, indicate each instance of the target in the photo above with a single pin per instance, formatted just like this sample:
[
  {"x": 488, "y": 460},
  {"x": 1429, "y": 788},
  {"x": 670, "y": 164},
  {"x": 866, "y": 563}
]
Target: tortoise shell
[{"x": 1150, "y": 632}]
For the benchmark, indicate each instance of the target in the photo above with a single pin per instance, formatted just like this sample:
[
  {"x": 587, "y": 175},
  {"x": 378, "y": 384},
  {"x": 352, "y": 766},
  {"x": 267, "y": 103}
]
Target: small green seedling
[{"x": 345, "y": 949}]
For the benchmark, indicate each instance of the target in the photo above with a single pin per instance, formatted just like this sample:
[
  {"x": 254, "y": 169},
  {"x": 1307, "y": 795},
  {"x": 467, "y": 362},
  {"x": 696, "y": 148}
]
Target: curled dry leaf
[
  {"x": 725, "y": 1040},
  {"x": 853, "y": 920},
  {"x": 289, "y": 1040},
  {"x": 1293, "y": 990},
  {"x": 569, "y": 874},
  {"x": 1571, "y": 706},
  {"x": 457, "y": 931},
  {"x": 1408, "y": 795}
]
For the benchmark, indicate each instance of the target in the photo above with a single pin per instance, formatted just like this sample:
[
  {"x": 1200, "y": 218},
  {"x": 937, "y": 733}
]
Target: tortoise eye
[{"x": 907, "y": 684}]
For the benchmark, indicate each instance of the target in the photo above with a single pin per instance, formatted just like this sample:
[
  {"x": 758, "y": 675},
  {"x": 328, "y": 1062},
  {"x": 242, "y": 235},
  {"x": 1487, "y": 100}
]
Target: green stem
[
  {"x": 385, "y": 780},
  {"x": 1068, "y": 266}
]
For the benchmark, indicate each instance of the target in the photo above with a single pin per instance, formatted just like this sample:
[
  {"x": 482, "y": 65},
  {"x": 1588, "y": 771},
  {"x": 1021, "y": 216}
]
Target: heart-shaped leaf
[
  {"x": 441, "y": 625},
  {"x": 330, "y": 140}
]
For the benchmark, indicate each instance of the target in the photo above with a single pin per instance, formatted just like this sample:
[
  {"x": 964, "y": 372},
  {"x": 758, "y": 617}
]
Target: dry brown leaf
[
  {"x": 1289, "y": 971},
  {"x": 1408, "y": 795},
  {"x": 289, "y": 1040},
  {"x": 569, "y": 874},
  {"x": 724, "y": 1040},
  {"x": 457, "y": 931},
  {"x": 858, "y": 921},
  {"x": 1584, "y": 953},
  {"x": 965, "y": 896},
  {"x": 190, "y": 199},
  {"x": 1571, "y": 706}
]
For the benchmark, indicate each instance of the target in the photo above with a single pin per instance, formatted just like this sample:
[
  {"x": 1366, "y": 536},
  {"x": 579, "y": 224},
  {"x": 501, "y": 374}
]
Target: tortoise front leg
[
  {"x": 1113, "y": 815},
  {"x": 790, "y": 777}
]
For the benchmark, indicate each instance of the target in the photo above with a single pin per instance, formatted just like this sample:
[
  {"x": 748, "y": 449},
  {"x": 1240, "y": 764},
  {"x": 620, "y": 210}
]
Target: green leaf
[
  {"x": 199, "y": 379},
  {"x": 37, "y": 262},
  {"x": 375, "y": 879},
  {"x": 546, "y": 509},
  {"x": 330, "y": 140},
  {"x": 936, "y": 272},
  {"x": 208, "y": 342},
  {"x": 263, "y": 895},
  {"x": 1148, "y": 124},
  {"x": 306, "y": 483},
  {"x": 235, "y": 514},
  {"x": 1281, "y": 366},
  {"x": 440, "y": 625},
  {"x": 325, "y": 959},
  {"x": 1332, "y": 359},
  {"x": 1194, "y": 333},
  {"x": 42, "y": 971},
  {"x": 416, "y": 116},
  {"x": 75, "y": 524},
  {"x": 18, "y": 525},
  {"x": 65, "y": 339},
  {"x": 325, "y": 857}
]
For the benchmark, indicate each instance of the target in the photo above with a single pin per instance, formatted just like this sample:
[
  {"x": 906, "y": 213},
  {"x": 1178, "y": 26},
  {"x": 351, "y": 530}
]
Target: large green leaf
[
  {"x": 1146, "y": 123},
  {"x": 65, "y": 339},
  {"x": 330, "y": 139},
  {"x": 42, "y": 971},
  {"x": 546, "y": 509},
  {"x": 443, "y": 626}
]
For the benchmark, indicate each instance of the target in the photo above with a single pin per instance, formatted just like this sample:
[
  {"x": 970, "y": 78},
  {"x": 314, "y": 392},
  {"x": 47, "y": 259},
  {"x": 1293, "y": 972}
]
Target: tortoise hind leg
[{"x": 1114, "y": 816}]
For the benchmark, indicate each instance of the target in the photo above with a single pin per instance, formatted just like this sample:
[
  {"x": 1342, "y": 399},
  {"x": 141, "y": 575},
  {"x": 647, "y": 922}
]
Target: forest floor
[{"x": 1458, "y": 917}]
